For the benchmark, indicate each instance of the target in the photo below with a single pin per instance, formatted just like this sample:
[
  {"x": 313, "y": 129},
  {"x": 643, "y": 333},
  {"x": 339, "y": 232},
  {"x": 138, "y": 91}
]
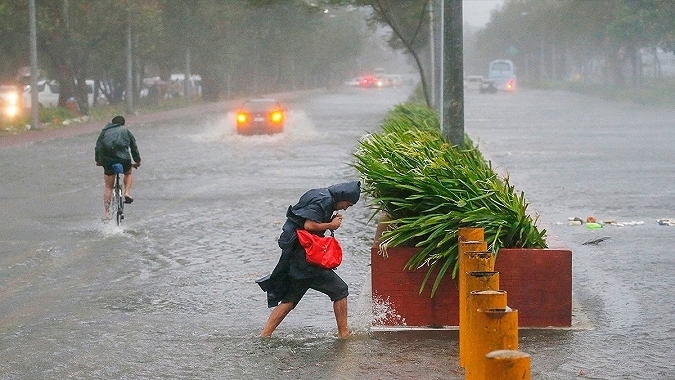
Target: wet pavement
[
  {"x": 577, "y": 156},
  {"x": 171, "y": 293}
]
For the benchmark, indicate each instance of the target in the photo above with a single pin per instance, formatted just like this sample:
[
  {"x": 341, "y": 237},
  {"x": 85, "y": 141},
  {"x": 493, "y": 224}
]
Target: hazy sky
[{"x": 477, "y": 12}]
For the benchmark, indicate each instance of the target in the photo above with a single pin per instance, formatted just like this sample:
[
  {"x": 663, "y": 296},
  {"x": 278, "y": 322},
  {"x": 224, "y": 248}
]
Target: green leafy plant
[{"x": 429, "y": 189}]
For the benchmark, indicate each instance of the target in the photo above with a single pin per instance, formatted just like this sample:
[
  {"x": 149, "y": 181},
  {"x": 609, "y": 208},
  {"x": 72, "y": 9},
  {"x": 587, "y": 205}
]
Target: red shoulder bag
[{"x": 322, "y": 251}]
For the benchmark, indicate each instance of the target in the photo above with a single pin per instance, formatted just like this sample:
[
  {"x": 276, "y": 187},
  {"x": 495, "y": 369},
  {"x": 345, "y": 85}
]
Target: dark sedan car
[{"x": 260, "y": 116}]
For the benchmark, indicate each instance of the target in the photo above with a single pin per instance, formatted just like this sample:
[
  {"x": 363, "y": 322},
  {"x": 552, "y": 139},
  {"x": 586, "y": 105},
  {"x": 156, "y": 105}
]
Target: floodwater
[
  {"x": 577, "y": 156},
  {"x": 170, "y": 294}
]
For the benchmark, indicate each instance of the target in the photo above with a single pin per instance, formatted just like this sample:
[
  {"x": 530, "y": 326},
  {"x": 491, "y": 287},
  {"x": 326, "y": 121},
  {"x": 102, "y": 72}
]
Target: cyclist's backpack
[{"x": 114, "y": 141}]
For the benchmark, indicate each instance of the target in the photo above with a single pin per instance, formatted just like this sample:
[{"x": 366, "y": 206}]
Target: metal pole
[
  {"x": 432, "y": 52},
  {"x": 439, "y": 61},
  {"x": 436, "y": 47},
  {"x": 453, "y": 74},
  {"x": 34, "y": 102},
  {"x": 129, "y": 97},
  {"x": 187, "y": 83}
]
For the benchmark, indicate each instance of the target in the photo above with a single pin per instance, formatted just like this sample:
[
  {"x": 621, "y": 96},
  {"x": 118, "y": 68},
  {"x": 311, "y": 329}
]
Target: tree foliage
[
  {"x": 594, "y": 41},
  {"x": 236, "y": 46}
]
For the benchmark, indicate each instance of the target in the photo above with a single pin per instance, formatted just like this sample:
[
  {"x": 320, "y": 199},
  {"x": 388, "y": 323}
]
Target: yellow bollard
[
  {"x": 470, "y": 234},
  {"x": 478, "y": 300},
  {"x": 507, "y": 365},
  {"x": 494, "y": 329},
  {"x": 469, "y": 262},
  {"x": 475, "y": 282},
  {"x": 463, "y": 249},
  {"x": 481, "y": 280},
  {"x": 466, "y": 247}
]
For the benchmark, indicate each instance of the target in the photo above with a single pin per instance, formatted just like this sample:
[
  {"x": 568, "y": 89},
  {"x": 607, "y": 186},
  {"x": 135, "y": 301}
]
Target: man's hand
[
  {"x": 336, "y": 222},
  {"x": 317, "y": 227}
]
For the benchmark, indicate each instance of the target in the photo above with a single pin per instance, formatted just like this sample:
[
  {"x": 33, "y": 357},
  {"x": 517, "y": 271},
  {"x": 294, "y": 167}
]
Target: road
[{"x": 171, "y": 293}]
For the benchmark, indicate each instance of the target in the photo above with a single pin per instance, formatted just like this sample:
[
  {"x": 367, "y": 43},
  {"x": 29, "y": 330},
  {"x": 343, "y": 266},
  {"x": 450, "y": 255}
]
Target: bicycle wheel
[
  {"x": 119, "y": 200},
  {"x": 116, "y": 206}
]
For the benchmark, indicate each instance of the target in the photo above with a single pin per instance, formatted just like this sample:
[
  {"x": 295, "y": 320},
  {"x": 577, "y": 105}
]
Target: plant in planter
[{"x": 429, "y": 189}]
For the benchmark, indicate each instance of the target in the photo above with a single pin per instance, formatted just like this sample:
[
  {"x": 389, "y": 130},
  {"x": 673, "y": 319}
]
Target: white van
[{"x": 48, "y": 93}]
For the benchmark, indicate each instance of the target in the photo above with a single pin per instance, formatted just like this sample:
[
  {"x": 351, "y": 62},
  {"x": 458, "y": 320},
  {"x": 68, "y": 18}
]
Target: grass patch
[{"x": 656, "y": 92}]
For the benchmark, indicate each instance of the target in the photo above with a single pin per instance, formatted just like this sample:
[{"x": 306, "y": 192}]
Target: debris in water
[{"x": 596, "y": 241}]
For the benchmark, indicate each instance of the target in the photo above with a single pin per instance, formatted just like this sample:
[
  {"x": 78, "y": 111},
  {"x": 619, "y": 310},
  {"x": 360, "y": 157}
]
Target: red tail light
[{"x": 242, "y": 118}]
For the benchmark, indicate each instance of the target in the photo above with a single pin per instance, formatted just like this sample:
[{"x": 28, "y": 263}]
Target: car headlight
[
  {"x": 12, "y": 98},
  {"x": 11, "y": 110},
  {"x": 242, "y": 118},
  {"x": 276, "y": 117}
]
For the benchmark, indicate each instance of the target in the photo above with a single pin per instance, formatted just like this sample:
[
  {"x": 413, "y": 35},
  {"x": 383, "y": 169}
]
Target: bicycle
[
  {"x": 117, "y": 200},
  {"x": 116, "y": 209}
]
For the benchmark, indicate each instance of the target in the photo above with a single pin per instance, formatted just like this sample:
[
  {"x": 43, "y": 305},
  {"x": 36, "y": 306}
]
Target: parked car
[
  {"x": 473, "y": 82},
  {"x": 11, "y": 102},
  {"x": 260, "y": 116}
]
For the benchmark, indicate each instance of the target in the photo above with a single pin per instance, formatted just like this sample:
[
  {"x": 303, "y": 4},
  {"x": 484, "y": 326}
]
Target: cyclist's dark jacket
[
  {"x": 317, "y": 205},
  {"x": 116, "y": 144}
]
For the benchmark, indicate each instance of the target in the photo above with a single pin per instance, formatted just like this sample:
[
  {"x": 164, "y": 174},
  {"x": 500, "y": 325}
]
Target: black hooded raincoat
[{"x": 317, "y": 205}]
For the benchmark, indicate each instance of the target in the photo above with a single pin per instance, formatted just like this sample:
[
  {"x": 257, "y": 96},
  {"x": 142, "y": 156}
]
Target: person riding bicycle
[{"x": 116, "y": 145}]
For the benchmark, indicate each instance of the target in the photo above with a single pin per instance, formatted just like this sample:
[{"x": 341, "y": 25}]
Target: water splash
[
  {"x": 384, "y": 313},
  {"x": 298, "y": 126},
  {"x": 110, "y": 228}
]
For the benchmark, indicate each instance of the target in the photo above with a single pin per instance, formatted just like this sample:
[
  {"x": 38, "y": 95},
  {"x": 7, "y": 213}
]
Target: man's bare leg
[
  {"x": 128, "y": 180},
  {"x": 340, "y": 309},
  {"x": 109, "y": 181},
  {"x": 278, "y": 314}
]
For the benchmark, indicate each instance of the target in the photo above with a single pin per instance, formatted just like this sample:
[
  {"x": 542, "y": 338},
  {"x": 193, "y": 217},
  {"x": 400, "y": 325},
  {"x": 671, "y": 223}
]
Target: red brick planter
[
  {"x": 398, "y": 289},
  {"x": 538, "y": 283}
]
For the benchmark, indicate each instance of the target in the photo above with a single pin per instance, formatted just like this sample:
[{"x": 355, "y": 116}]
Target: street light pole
[
  {"x": 34, "y": 102},
  {"x": 453, "y": 73},
  {"x": 130, "y": 78},
  {"x": 436, "y": 43}
]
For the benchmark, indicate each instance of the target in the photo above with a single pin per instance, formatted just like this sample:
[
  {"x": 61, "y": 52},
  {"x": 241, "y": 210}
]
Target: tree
[
  {"x": 410, "y": 26},
  {"x": 241, "y": 46},
  {"x": 594, "y": 40}
]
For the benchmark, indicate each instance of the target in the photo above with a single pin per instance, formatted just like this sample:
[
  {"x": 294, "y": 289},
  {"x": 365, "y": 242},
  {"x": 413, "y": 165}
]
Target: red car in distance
[
  {"x": 260, "y": 116},
  {"x": 370, "y": 81}
]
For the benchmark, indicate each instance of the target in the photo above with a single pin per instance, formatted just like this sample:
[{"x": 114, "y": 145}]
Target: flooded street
[
  {"x": 577, "y": 156},
  {"x": 170, "y": 294}
]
